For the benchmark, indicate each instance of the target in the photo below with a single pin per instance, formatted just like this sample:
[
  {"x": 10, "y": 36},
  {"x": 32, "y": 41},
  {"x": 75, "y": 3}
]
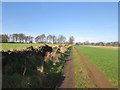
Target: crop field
[
  {"x": 19, "y": 46},
  {"x": 106, "y": 60},
  {"x": 106, "y": 47}
]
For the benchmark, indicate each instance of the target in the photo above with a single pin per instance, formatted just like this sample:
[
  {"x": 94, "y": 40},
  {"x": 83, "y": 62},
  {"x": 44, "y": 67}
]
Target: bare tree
[
  {"x": 30, "y": 39},
  {"x": 71, "y": 39},
  {"x": 42, "y": 37},
  {"x": 21, "y": 37},
  {"x": 15, "y": 37},
  {"x": 26, "y": 39},
  {"x": 54, "y": 39},
  {"x": 4, "y": 38},
  {"x": 37, "y": 39},
  {"x": 86, "y": 43},
  {"x": 61, "y": 39},
  {"x": 58, "y": 41},
  {"x": 12, "y": 38},
  {"x": 49, "y": 38}
]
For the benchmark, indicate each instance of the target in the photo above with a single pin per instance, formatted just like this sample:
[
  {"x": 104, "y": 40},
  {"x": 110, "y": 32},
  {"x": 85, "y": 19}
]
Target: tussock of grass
[
  {"x": 81, "y": 75},
  {"x": 104, "y": 59}
]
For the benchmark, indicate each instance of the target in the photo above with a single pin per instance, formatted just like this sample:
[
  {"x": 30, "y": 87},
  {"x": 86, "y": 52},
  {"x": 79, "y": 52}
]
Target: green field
[
  {"x": 18, "y": 46},
  {"x": 105, "y": 60}
]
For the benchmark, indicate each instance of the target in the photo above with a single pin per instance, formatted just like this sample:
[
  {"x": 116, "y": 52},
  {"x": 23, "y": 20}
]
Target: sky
[{"x": 86, "y": 21}]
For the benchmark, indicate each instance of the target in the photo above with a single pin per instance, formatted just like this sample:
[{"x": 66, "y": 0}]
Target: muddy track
[
  {"x": 96, "y": 76},
  {"x": 68, "y": 74}
]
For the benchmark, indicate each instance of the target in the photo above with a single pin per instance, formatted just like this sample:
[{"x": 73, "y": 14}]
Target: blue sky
[{"x": 92, "y": 21}]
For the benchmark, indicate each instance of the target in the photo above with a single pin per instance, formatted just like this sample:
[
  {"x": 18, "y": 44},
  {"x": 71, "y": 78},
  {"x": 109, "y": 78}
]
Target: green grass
[
  {"x": 82, "y": 79},
  {"x": 11, "y": 46},
  {"x": 105, "y": 60},
  {"x": 18, "y": 46}
]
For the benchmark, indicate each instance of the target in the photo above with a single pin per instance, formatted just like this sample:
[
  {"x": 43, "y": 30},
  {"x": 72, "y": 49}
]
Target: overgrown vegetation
[
  {"x": 104, "y": 59},
  {"x": 55, "y": 69},
  {"x": 23, "y": 73}
]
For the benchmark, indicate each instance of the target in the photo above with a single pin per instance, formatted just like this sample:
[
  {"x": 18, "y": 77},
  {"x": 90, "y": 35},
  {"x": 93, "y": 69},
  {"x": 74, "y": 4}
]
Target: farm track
[
  {"x": 68, "y": 74},
  {"x": 96, "y": 76}
]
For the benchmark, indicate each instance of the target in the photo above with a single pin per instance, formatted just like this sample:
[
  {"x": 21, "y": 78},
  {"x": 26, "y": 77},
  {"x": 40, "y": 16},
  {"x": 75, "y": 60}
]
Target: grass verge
[{"x": 82, "y": 80}]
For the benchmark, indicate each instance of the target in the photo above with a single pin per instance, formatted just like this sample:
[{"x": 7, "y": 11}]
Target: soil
[
  {"x": 68, "y": 74},
  {"x": 96, "y": 75}
]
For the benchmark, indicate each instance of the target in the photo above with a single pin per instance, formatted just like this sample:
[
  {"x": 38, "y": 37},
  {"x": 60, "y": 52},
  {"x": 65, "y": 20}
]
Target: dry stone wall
[{"x": 34, "y": 66}]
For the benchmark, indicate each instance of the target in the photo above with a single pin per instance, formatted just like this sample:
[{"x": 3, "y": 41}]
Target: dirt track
[
  {"x": 68, "y": 81},
  {"x": 96, "y": 76}
]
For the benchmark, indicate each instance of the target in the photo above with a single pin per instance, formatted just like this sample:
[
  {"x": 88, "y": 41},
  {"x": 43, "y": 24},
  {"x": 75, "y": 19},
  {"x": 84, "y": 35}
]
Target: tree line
[
  {"x": 99, "y": 43},
  {"x": 22, "y": 38}
]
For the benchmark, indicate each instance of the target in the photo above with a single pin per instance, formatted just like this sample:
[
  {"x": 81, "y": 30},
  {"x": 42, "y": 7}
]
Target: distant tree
[
  {"x": 61, "y": 39},
  {"x": 26, "y": 39},
  {"x": 71, "y": 39},
  {"x": 77, "y": 43},
  {"x": 101, "y": 44},
  {"x": 58, "y": 41},
  {"x": 30, "y": 39},
  {"x": 21, "y": 37},
  {"x": 108, "y": 44},
  {"x": 116, "y": 43},
  {"x": 92, "y": 43},
  {"x": 86, "y": 43},
  {"x": 4, "y": 38},
  {"x": 42, "y": 37},
  {"x": 14, "y": 37},
  {"x": 37, "y": 39},
  {"x": 54, "y": 39},
  {"x": 11, "y": 38},
  {"x": 49, "y": 38}
]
